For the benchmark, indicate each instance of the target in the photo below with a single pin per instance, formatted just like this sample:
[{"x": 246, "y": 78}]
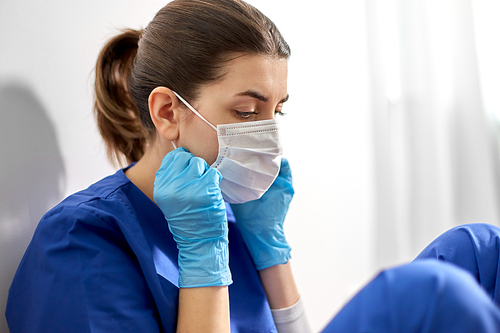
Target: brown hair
[{"x": 185, "y": 46}]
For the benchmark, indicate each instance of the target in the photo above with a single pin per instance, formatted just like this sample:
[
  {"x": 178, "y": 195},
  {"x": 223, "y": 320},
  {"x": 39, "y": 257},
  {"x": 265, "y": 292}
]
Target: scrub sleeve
[{"x": 456, "y": 293}]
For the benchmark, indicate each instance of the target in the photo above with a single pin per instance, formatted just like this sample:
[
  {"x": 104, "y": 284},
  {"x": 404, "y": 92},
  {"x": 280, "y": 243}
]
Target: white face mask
[{"x": 249, "y": 157}]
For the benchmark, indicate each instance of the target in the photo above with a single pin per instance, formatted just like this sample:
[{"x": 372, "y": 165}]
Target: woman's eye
[
  {"x": 279, "y": 110},
  {"x": 245, "y": 115}
]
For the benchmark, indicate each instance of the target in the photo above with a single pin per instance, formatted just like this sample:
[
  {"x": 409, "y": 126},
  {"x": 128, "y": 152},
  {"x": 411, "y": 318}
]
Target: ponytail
[{"x": 117, "y": 115}]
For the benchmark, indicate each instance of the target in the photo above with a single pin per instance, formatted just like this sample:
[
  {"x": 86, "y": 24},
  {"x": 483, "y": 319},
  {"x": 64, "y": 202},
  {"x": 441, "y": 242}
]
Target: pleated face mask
[{"x": 249, "y": 157}]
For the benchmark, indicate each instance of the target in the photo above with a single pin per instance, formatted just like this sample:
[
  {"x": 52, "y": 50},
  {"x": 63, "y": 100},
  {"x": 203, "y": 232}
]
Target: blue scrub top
[{"x": 103, "y": 260}]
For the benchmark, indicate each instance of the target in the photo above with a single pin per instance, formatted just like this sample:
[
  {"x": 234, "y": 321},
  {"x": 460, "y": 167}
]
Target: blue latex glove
[
  {"x": 260, "y": 222},
  {"x": 187, "y": 191}
]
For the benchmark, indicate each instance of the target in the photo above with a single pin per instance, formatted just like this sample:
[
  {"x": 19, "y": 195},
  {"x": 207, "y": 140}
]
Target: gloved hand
[
  {"x": 260, "y": 222},
  {"x": 187, "y": 191}
]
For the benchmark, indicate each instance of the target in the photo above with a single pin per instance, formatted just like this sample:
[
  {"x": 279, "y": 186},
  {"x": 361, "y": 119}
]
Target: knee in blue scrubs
[
  {"x": 474, "y": 247},
  {"x": 423, "y": 296}
]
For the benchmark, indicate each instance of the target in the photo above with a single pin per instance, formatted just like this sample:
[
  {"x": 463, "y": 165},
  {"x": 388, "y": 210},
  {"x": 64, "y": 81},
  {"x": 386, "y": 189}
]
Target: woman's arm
[
  {"x": 260, "y": 223},
  {"x": 287, "y": 308},
  {"x": 279, "y": 286},
  {"x": 204, "y": 309},
  {"x": 187, "y": 191}
]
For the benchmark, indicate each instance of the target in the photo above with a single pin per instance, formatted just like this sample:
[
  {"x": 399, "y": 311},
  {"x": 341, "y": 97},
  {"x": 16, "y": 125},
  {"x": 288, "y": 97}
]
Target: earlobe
[{"x": 164, "y": 112}]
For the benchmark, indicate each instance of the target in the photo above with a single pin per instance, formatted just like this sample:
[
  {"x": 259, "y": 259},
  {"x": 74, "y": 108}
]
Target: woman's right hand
[{"x": 187, "y": 191}]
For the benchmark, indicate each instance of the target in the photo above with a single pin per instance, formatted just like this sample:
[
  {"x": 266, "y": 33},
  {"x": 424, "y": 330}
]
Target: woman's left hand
[{"x": 260, "y": 222}]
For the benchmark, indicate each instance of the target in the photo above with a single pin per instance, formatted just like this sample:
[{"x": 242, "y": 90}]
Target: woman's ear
[{"x": 164, "y": 110}]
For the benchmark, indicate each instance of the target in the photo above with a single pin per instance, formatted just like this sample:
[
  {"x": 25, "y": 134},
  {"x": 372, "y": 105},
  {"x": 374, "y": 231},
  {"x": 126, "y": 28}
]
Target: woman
[
  {"x": 150, "y": 248},
  {"x": 155, "y": 247}
]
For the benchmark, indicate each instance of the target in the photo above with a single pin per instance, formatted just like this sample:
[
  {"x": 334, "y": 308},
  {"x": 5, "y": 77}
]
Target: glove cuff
[
  {"x": 204, "y": 263},
  {"x": 267, "y": 250},
  {"x": 272, "y": 257}
]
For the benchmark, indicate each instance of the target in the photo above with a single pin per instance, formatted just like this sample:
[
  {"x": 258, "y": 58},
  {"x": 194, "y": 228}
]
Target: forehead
[{"x": 264, "y": 74}]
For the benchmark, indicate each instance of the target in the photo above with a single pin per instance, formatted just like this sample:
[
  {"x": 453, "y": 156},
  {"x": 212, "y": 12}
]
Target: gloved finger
[
  {"x": 176, "y": 159},
  {"x": 195, "y": 168},
  {"x": 285, "y": 167},
  {"x": 283, "y": 183},
  {"x": 214, "y": 177},
  {"x": 285, "y": 173}
]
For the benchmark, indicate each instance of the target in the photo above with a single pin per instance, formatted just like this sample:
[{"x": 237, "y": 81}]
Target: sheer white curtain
[{"x": 436, "y": 157}]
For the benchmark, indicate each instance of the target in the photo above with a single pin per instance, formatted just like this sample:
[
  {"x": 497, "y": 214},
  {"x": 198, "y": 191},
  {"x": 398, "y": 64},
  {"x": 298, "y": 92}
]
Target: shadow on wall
[{"x": 32, "y": 177}]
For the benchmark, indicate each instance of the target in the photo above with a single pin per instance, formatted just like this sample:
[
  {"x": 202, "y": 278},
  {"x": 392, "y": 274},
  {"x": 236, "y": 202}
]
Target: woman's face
[{"x": 253, "y": 88}]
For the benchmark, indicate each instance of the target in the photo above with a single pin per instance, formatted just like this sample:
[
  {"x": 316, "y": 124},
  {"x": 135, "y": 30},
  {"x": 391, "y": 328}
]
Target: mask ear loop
[{"x": 195, "y": 112}]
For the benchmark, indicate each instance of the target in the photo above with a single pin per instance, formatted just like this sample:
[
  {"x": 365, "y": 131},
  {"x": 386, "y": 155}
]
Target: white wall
[{"x": 50, "y": 146}]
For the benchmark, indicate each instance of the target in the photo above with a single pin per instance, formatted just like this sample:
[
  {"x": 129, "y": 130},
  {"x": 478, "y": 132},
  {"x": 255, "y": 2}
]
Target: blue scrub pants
[{"x": 456, "y": 293}]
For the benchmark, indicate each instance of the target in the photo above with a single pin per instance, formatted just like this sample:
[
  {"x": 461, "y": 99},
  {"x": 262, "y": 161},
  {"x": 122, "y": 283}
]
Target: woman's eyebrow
[{"x": 259, "y": 96}]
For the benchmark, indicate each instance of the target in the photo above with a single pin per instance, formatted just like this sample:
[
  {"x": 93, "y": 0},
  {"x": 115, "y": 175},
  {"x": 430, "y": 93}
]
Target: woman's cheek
[{"x": 204, "y": 145}]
